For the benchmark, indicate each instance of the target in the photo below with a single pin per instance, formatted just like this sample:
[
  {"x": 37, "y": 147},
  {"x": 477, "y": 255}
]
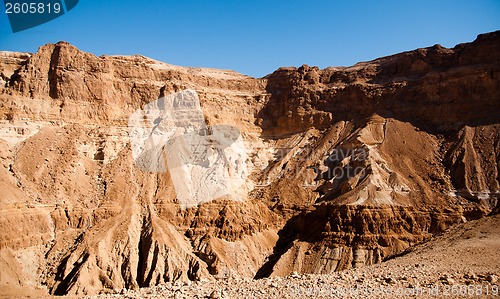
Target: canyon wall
[{"x": 347, "y": 166}]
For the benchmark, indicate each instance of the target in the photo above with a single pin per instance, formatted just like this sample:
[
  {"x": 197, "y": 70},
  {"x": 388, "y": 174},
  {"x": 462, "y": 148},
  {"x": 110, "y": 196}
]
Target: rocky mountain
[
  {"x": 460, "y": 263},
  {"x": 347, "y": 166}
]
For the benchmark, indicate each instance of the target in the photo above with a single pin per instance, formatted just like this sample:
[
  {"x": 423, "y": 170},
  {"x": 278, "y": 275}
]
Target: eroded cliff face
[{"x": 347, "y": 166}]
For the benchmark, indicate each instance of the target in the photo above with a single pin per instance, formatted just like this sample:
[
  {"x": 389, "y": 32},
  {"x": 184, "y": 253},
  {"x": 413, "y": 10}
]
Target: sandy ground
[{"x": 462, "y": 262}]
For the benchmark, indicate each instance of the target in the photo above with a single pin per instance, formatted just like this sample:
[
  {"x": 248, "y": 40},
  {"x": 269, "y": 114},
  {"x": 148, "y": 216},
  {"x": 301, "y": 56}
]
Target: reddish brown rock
[{"x": 348, "y": 166}]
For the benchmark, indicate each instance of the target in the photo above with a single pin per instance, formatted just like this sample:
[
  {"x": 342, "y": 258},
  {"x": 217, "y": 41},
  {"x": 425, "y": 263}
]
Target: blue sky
[{"x": 256, "y": 37}]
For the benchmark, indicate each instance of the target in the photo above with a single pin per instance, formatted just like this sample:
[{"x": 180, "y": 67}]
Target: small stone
[
  {"x": 471, "y": 275},
  {"x": 492, "y": 278},
  {"x": 448, "y": 280},
  {"x": 214, "y": 295}
]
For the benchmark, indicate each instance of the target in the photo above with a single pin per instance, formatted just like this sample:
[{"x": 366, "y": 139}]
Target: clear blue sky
[{"x": 256, "y": 37}]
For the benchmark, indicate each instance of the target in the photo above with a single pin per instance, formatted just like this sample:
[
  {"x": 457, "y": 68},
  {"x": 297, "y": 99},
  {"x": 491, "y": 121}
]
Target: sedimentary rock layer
[{"x": 347, "y": 166}]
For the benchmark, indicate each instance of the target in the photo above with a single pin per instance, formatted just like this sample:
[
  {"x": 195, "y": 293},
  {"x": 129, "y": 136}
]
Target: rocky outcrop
[
  {"x": 436, "y": 89},
  {"x": 347, "y": 166}
]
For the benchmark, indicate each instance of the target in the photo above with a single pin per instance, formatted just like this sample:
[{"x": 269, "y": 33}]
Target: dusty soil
[
  {"x": 346, "y": 167},
  {"x": 461, "y": 262}
]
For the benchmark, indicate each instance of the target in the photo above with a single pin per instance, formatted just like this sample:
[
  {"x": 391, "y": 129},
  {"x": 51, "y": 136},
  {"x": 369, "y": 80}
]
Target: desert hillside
[
  {"x": 346, "y": 167},
  {"x": 461, "y": 262}
]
